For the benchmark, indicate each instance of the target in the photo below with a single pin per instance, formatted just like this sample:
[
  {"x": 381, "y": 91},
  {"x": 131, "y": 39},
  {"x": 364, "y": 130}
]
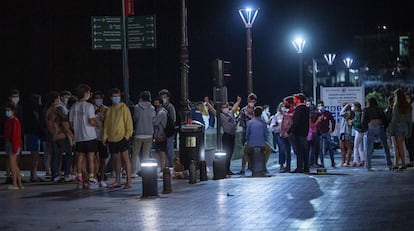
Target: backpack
[{"x": 170, "y": 128}]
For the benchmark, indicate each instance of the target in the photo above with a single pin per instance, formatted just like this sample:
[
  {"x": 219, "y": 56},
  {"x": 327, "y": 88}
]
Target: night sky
[{"x": 46, "y": 44}]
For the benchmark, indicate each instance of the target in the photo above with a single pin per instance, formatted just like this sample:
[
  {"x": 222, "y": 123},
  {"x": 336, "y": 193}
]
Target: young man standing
[
  {"x": 246, "y": 114},
  {"x": 82, "y": 119},
  {"x": 299, "y": 130},
  {"x": 165, "y": 96},
  {"x": 117, "y": 130},
  {"x": 326, "y": 127},
  {"x": 144, "y": 113}
]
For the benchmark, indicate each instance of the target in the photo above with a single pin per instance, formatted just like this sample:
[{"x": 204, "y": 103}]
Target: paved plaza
[{"x": 345, "y": 198}]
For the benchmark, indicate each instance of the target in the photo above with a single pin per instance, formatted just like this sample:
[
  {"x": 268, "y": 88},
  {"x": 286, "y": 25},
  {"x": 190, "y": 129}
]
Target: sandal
[
  {"x": 127, "y": 186},
  {"x": 114, "y": 185}
]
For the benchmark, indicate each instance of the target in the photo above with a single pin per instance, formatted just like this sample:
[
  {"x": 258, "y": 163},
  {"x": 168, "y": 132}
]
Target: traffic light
[{"x": 221, "y": 72}]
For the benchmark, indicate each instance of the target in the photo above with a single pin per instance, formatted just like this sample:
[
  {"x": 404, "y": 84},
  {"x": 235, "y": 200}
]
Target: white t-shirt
[{"x": 79, "y": 115}]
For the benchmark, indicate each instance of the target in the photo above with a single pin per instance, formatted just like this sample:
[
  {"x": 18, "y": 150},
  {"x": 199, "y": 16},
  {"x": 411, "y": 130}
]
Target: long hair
[
  {"x": 401, "y": 105},
  {"x": 357, "y": 106}
]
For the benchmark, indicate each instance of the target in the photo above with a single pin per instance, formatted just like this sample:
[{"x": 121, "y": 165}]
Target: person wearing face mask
[
  {"x": 118, "y": 128},
  {"x": 345, "y": 131},
  {"x": 286, "y": 140},
  {"x": 165, "y": 96},
  {"x": 143, "y": 115},
  {"x": 326, "y": 127},
  {"x": 83, "y": 122},
  {"x": 246, "y": 114},
  {"x": 14, "y": 99},
  {"x": 13, "y": 142},
  {"x": 359, "y": 154},
  {"x": 229, "y": 125},
  {"x": 100, "y": 110},
  {"x": 63, "y": 101}
]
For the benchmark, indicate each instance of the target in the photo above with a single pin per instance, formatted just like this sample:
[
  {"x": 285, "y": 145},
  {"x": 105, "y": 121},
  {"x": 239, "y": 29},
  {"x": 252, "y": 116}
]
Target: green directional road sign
[{"x": 106, "y": 32}]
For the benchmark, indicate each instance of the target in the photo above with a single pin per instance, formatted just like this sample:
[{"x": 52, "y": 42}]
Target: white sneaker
[
  {"x": 93, "y": 184},
  {"x": 134, "y": 176},
  {"x": 56, "y": 179},
  {"x": 103, "y": 184}
]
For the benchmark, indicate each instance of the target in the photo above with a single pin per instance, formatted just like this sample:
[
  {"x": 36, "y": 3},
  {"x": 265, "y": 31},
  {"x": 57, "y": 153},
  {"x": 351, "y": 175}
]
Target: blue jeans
[
  {"x": 314, "y": 150},
  {"x": 286, "y": 151},
  {"x": 170, "y": 151},
  {"x": 277, "y": 140},
  {"x": 325, "y": 139},
  {"x": 59, "y": 147},
  {"x": 377, "y": 130}
]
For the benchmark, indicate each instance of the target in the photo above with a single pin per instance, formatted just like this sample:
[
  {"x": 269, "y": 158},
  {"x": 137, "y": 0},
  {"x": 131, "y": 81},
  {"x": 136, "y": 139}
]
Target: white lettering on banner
[{"x": 334, "y": 97}]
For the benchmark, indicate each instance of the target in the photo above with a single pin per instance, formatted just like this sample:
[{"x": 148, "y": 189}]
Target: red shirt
[{"x": 13, "y": 133}]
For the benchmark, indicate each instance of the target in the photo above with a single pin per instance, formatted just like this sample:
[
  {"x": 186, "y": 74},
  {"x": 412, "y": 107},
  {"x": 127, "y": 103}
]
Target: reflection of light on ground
[
  {"x": 221, "y": 197},
  {"x": 303, "y": 224},
  {"x": 151, "y": 219}
]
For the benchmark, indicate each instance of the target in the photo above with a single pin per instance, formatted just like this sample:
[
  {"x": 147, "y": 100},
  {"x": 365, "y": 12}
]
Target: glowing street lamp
[
  {"x": 348, "y": 62},
  {"x": 299, "y": 44},
  {"x": 248, "y": 15},
  {"x": 329, "y": 58}
]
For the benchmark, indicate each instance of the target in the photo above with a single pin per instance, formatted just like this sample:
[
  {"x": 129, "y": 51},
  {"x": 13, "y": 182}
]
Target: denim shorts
[
  {"x": 32, "y": 142},
  {"x": 9, "y": 148}
]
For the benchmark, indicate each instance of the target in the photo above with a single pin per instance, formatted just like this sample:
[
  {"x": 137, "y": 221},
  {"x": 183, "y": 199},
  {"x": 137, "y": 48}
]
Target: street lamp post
[
  {"x": 248, "y": 15},
  {"x": 348, "y": 62},
  {"x": 299, "y": 44},
  {"x": 330, "y": 58}
]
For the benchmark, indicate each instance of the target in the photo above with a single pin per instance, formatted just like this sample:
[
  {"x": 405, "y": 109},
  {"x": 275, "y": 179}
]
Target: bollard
[
  {"x": 203, "y": 170},
  {"x": 166, "y": 176},
  {"x": 219, "y": 166},
  {"x": 193, "y": 172},
  {"x": 257, "y": 161},
  {"x": 149, "y": 178}
]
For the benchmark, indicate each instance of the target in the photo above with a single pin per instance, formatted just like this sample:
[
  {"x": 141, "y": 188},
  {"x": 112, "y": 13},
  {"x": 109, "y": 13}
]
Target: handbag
[{"x": 160, "y": 139}]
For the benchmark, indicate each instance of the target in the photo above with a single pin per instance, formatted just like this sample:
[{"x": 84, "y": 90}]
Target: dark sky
[{"x": 46, "y": 44}]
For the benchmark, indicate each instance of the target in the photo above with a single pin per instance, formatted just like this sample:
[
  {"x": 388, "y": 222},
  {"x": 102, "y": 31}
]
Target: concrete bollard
[
  {"x": 193, "y": 172},
  {"x": 166, "y": 177},
  {"x": 219, "y": 166},
  {"x": 203, "y": 170},
  {"x": 149, "y": 178}
]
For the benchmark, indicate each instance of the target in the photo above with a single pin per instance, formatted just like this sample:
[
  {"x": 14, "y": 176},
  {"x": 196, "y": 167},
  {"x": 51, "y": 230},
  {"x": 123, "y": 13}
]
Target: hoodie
[{"x": 144, "y": 113}]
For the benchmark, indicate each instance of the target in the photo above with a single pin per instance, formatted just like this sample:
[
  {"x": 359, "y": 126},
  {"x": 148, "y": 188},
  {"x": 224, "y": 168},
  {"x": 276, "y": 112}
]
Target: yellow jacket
[{"x": 118, "y": 123}]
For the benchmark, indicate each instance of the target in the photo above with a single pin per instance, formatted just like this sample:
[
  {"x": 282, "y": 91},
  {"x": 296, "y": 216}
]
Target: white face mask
[
  {"x": 225, "y": 110},
  {"x": 352, "y": 108},
  {"x": 15, "y": 100},
  {"x": 98, "y": 102},
  {"x": 251, "y": 104},
  {"x": 164, "y": 100}
]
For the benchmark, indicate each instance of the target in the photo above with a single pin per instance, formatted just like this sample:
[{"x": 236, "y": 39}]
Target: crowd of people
[{"x": 80, "y": 133}]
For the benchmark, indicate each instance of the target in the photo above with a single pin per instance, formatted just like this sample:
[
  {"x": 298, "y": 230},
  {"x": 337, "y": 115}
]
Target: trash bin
[{"x": 191, "y": 144}]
